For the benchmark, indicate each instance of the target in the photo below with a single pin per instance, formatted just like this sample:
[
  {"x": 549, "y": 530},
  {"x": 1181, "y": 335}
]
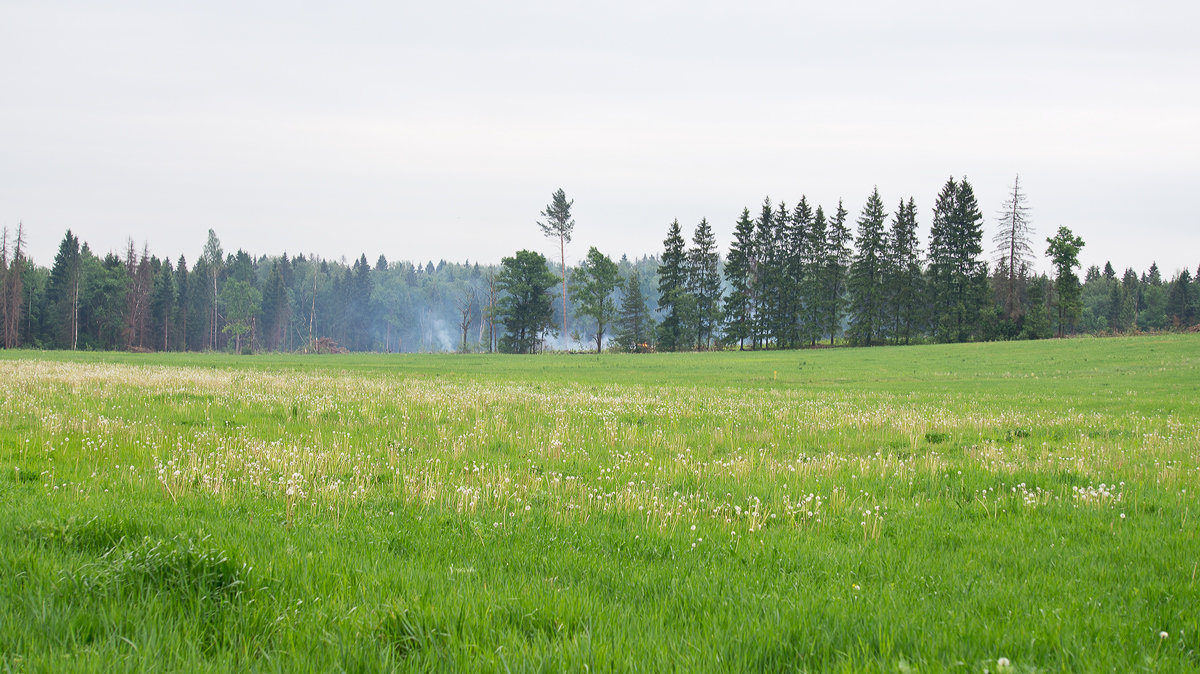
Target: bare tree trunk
[
  {"x": 313, "y": 311},
  {"x": 466, "y": 304},
  {"x": 562, "y": 247},
  {"x": 75, "y": 313}
]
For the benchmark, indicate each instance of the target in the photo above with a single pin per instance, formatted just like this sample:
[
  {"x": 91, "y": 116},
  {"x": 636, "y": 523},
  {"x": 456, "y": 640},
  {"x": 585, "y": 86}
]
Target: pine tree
[
  {"x": 813, "y": 284},
  {"x": 12, "y": 289},
  {"x": 162, "y": 306},
  {"x": 769, "y": 276},
  {"x": 1014, "y": 250},
  {"x": 137, "y": 297},
  {"x": 636, "y": 325},
  {"x": 704, "y": 283},
  {"x": 673, "y": 299},
  {"x": 62, "y": 294},
  {"x": 1116, "y": 301},
  {"x": 837, "y": 261},
  {"x": 1181, "y": 310},
  {"x": 182, "y": 302},
  {"x": 358, "y": 306},
  {"x": 558, "y": 223},
  {"x": 1131, "y": 298},
  {"x": 865, "y": 282},
  {"x": 4, "y": 287},
  {"x": 795, "y": 270},
  {"x": 903, "y": 278},
  {"x": 954, "y": 249},
  {"x": 738, "y": 303},
  {"x": 276, "y": 309}
]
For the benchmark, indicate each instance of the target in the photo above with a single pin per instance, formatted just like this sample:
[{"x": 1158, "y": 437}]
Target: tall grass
[{"x": 925, "y": 508}]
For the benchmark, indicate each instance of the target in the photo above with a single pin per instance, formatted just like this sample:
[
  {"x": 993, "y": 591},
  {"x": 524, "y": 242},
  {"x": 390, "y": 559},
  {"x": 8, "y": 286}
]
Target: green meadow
[{"x": 991, "y": 507}]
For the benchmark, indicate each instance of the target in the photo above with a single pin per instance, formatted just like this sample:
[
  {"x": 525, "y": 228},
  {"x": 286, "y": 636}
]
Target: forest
[{"x": 792, "y": 277}]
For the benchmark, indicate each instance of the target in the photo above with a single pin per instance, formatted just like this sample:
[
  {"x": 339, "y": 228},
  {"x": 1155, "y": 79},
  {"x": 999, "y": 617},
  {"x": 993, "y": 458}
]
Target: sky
[{"x": 428, "y": 131}]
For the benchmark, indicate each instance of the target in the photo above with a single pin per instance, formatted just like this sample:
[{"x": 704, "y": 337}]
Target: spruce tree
[
  {"x": 1014, "y": 250},
  {"x": 276, "y": 309},
  {"x": 635, "y": 324},
  {"x": 738, "y": 310},
  {"x": 902, "y": 277},
  {"x": 795, "y": 270},
  {"x": 865, "y": 282},
  {"x": 1131, "y": 300},
  {"x": 813, "y": 284},
  {"x": 837, "y": 261},
  {"x": 13, "y": 291},
  {"x": 673, "y": 299},
  {"x": 764, "y": 274},
  {"x": 62, "y": 295},
  {"x": 954, "y": 249},
  {"x": 162, "y": 307},
  {"x": 1181, "y": 310},
  {"x": 1037, "y": 319},
  {"x": 182, "y": 302},
  {"x": 704, "y": 283}
]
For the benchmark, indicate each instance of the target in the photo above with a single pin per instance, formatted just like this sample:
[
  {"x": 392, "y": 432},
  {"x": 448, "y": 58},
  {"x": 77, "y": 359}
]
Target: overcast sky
[{"x": 439, "y": 130}]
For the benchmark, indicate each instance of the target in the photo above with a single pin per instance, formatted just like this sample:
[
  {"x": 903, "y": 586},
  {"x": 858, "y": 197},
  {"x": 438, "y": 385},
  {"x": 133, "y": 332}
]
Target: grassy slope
[{"x": 110, "y": 571}]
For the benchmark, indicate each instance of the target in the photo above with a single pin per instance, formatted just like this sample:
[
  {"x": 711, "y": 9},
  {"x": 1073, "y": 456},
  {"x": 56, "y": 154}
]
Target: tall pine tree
[
  {"x": 902, "y": 277},
  {"x": 955, "y": 244},
  {"x": 673, "y": 299},
  {"x": 865, "y": 283},
  {"x": 836, "y": 263},
  {"x": 738, "y": 303},
  {"x": 813, "y": 283},
  {"x": 704, "y": 283}
]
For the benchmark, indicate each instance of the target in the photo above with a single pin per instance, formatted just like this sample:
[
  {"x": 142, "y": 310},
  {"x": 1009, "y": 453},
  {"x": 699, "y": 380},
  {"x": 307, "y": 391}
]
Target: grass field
[{"x": 934, "y": 508}]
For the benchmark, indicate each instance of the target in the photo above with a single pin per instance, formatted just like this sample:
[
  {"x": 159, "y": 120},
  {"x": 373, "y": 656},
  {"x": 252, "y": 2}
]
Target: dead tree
[{"x": 466, "y": 307}]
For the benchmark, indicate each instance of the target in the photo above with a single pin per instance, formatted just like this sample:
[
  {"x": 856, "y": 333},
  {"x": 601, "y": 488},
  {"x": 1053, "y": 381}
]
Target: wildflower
[
  {"x": 1163, "y": 635},
  {"x": 1002, "y": 663}
]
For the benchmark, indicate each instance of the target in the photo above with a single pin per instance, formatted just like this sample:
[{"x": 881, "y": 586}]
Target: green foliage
[
  {"x": 738, "y": 266},
  {"x": 592, "y": 285},
  {"x": 1064, "y": 255},
  {"x": 1181, "y": 302},
  {"x": 865, "y": 283},
  {"x": 674, "y": 301},
  {"x": 1037, "y": 317},
  {"x": 955, "y": 244},
  {"x": 704, "y": 283},
  {"x": 903, "y": 281},
  {"x": 241, "y": 302},
  {"x": 636, "y": 325},
  {"x": 525, "y": 307},
  {"x": 831, "y": 301},
  {"x": 557, "y": 223}
]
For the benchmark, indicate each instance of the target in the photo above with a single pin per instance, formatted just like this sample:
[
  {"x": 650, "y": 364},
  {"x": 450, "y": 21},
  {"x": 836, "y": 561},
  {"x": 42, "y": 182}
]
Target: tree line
[{"x": 792, "y": 277}]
